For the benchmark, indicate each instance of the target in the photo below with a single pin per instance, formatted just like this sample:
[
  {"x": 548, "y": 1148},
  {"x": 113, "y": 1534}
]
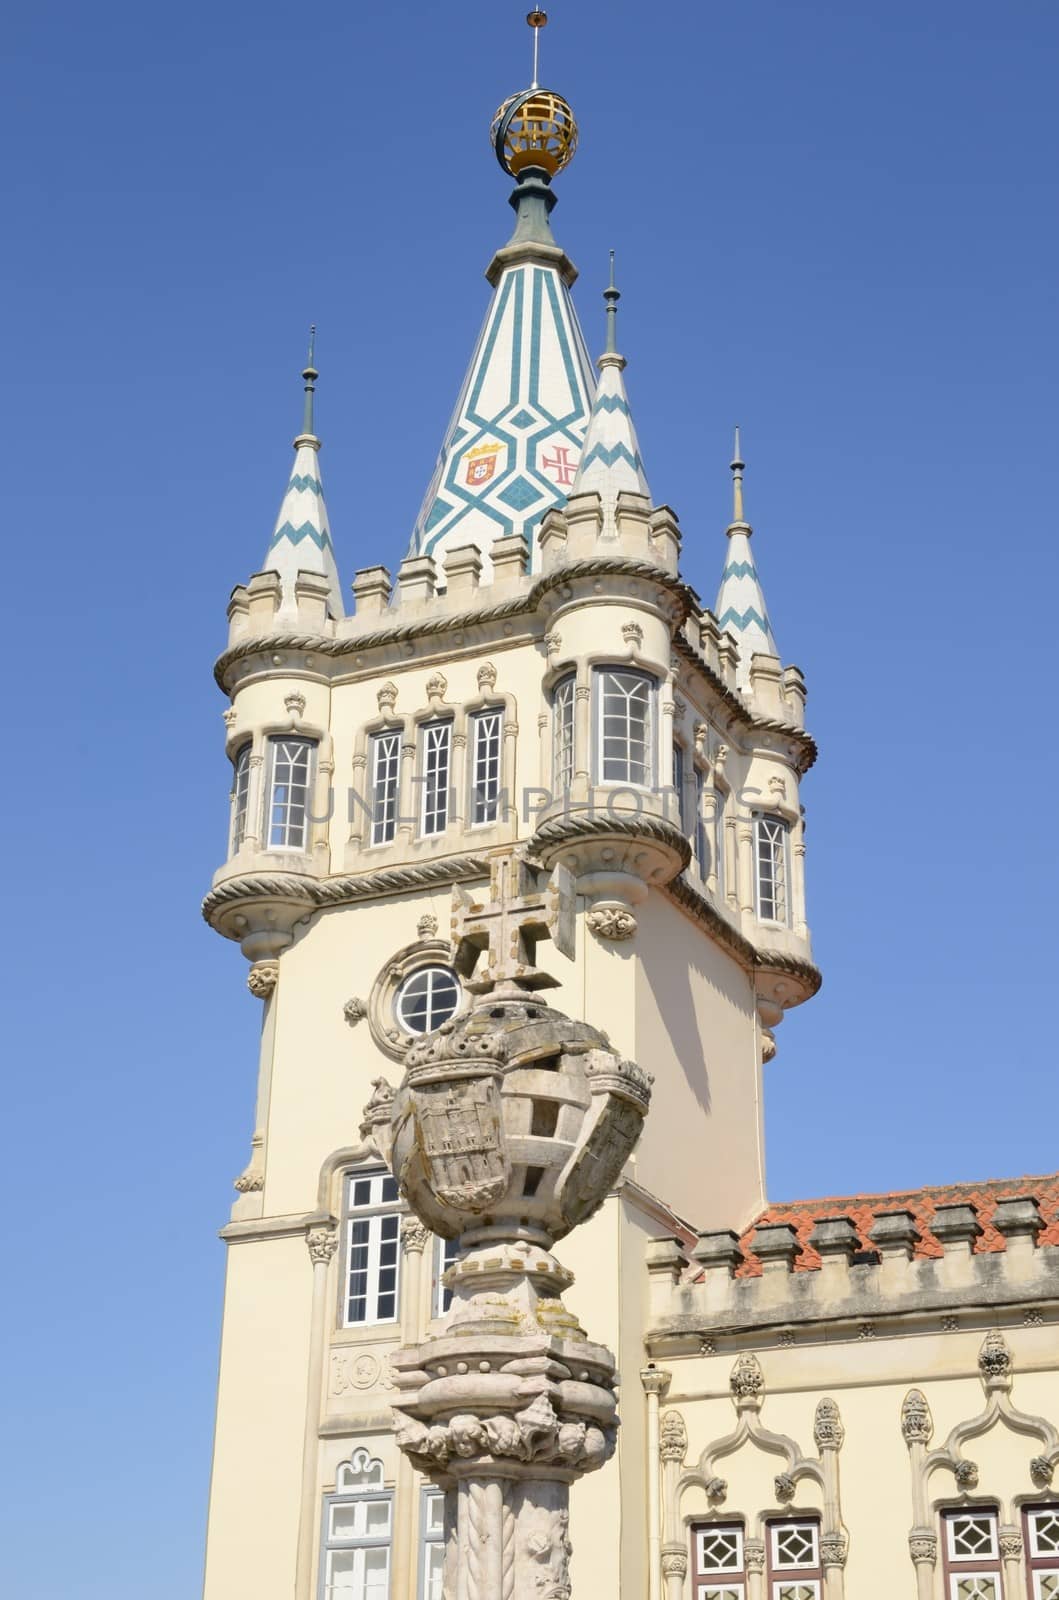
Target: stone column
[
  {"x": 322, "y": 1240},
  {"x": 745, "y": 886},
  {"x": 1011, "y": 1555},
  {"x": 656, "y": 1384},
  {"x": 360, "y": 801},
  {"x": 509, "y": 772},
  {"x": 255, "y": 803},
  {"x": 582, "y": 733},
  {"x": 322, "y": 804},
  {"x": 917, "y": 1428},
  {"x": 754, "y": 1556},
  {"x": 798, "y": 919},
  {"x": 923, "y": 1548},
  {"x": 459, "y": 782},
  {"x": 409, "y": 794},
  {"x": 414, "y": 1240}
]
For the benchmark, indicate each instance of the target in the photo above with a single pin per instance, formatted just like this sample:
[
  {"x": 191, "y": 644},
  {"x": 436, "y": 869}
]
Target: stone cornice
[
  {"x": 561, "y": 829},
  {"x": 692, "y": 900},
  {"x": 742, "y": 713},
  {"x": 318, "y": 893}
]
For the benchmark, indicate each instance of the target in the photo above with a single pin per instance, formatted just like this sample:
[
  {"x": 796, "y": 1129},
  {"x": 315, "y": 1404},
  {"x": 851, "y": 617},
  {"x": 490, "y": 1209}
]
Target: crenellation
[
  {"x": 633, "y": 520},
  {"x": 552, "y": 539},
  {"x": 665, "y": 537},
  {"x": 463, "y": 573},
  {"x": 417, "y": 581},
  {"x": 510, "y": 557},
  {"x": 766, "y": 687},
  {"x": 895, "y": 1235},
  {"x": 371, "y": 592},
  {"x": 583, "y": 520},
  {"x": 264, "y": 595},
  {"x": 312, "y": 593},
  {"x": 794, "y": 696},
  {"x": 238, "y": 614}
]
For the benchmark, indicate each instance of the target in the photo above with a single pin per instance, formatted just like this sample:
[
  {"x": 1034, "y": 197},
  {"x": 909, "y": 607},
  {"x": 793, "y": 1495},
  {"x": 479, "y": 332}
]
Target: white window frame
[
  {"x": 435, "y": 766},
  {"x": 625, "y": 682},
  {"x": 784, "y": 1574},
  {"x": 370, "y": 1472},
  {"x": 385, "y": 769},
  {"x": 678, "y": 785},
  {"x": 719, "y": 1583},
  {"x": 292, "y": 837},
  {"x": 487, "y": 752},
  {"x": 378, "y": 1220},
  {"x": 428, "y": 970},
  {"x": 564, "y": 700},
  {"x": 446, "y": 1251},
  {"x": 240, "y": 794},
  {"x": 979, "y": 1564},
  {"x": 1035, "y": 1551},
  {"x": 772, "y": 896},
  {"x": 431, "y": 1539}
]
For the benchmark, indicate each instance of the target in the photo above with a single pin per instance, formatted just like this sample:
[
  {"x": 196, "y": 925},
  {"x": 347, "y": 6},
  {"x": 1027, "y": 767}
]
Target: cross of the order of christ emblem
[{"x": 507, "y": 925}]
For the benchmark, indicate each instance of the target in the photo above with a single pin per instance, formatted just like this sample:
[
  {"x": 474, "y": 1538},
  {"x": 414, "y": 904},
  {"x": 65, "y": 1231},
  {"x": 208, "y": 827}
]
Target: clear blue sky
[{"x": 835, "y": 225}]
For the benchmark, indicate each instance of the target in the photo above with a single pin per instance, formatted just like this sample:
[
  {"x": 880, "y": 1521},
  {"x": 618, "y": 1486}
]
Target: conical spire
[
  {"x": 301, "y": 541},
  {"x": 740, "y": 605},
  {"x": 611, "y": 463},
  {"x": 513, "y": 444}
]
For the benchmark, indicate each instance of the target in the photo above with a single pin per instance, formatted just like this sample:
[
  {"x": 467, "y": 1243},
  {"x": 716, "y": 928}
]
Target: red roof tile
[{"x": 863, "y": 1209}]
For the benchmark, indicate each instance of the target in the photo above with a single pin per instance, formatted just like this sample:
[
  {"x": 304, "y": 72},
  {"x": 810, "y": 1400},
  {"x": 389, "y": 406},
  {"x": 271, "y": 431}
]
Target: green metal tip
[
  {"x": 737, "y": 462},
  {"x": 612, "y": 295},
  {"x": 310, "y": 375}
]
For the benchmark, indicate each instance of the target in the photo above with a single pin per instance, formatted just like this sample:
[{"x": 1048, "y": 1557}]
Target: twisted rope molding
[
  {"x": 315, "y": 893},
  {"x": 427, "y": 627},
  {"x": 562, "y": 829},
  {"x": 691, "y": 899},
  {"x": 739, "y": 710}
]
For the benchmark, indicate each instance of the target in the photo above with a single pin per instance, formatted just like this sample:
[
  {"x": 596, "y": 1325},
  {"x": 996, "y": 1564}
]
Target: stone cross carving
[{"x": 508, "y": 925}]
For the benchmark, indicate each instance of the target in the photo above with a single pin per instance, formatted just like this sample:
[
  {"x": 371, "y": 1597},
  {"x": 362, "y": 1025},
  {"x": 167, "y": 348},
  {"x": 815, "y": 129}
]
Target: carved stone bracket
[
  {"x": 611, "y": 922},
  {"x": 262, "y": 978},
  {"x": 355, "y": 1011}
]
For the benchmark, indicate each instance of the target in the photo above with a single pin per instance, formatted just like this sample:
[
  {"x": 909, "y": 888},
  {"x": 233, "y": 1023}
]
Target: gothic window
[
  {"x": 625, "y": 727},
  {"x": 427, "y": 998},
  {"x": 431, "y": 1544},
  {"x": 385, "y": 781},
  {"x": 1041, "y": 1542},
  {"x": 719, "y": 1562},
  {"x": 771, "y": 851},
  {"x": 435, "y": 763},
  {"x": 446, "y": 1251},
  {"x": 971, "y": 1555},
  {"x": 291, "y": 763},
  {"x": 240, "y": 796},
  {"x": 373, "y": 1224},
  {"x": 486, "y": 732},
  {"x": 358, "y": 1520},
  {"x": 794, "y": 1571},
  {"x": 562, "y": 735}
]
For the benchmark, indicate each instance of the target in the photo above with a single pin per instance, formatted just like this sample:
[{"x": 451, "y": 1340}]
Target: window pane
[
  {"x": 1044, "y": 1532},
  {"x": 426, "y": 999},
  {"x": 385, "y": 779},
  {"x": 720, "y": 1549},
  {"x": 794, "y": 1544},
  {"x": 434, "y": 1572},
  {"x": 341, "y": 1575},
  {"x": 289, "y": 793},
  {"x": 972, "y": 1536},
  {"x": 771, "y": 835},
  {"x": 976, "y": 1586},
  {"x": 625, "y": 726},
  {"x": 563, "y": 736},
  {"x": 436, "y": 748},
  {"x": 486, "y": 730},
  {"x": 241, "y": 793}
]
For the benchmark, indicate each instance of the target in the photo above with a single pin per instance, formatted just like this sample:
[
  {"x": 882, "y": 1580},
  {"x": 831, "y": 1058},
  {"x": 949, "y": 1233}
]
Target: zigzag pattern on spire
[
  {"x": 618, "y": 452},
  {"x": 743, "y": 619},
  {"x": 611, "y": 402},
  {"x": 739, "y": 569},
  {"x": 286, "y": 530},
  {"x": 306, "y": 481}
]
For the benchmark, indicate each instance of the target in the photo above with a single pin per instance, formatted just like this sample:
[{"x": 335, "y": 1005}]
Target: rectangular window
[
  {"x": 435, "y": 751},
  {"x": 432, "y": 1545},
  {"x": 720, "y": 799},
  {"x": 385, "y": 781},
  {"x": 794, "y": 1561},
  {"x": 771, "y": 842},
  {"x": 702, "y": 850},
  {"x": 625, "y": 727},
  {"x": 240, "y": 796},
  {"x": 971, "y": 1555},
  {"x": 562, "y": 736},
  {"x": 678, "y": 785},
  {"x": 718, "y": 1561},
  {"x": 1041, "y": 1543},
  {"x": 446, "y": 1251},
  {"x": 356, "y": 1544},
  {"x": 288, "y": 800},
  {"x": 486, "y": 734},
  {"x": 373, "y": 1225}
]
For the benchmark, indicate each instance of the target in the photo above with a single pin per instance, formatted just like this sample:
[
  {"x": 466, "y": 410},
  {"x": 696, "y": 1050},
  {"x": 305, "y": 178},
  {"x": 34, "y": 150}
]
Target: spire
[
  {"x": 514, "y": 440},
  {"x": 740, "y": 608},
  {"x": 301, "y": 541},
  {"x": 611, "y": 463}
]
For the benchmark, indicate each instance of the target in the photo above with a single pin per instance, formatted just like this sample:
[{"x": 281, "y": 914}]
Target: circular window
[{"x": 426, "y": 999}]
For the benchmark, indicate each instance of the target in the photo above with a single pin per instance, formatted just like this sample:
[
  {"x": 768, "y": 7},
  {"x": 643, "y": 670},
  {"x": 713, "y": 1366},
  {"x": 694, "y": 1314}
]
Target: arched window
[
  {"x": 240, "y": 796},
  {"x": 625, "y": 726},
  {"x": 358, "y": 1520}
]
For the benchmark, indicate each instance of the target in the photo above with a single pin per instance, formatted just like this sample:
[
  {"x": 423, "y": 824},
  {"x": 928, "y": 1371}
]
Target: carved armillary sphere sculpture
[{"x": 510, "y": 1127}]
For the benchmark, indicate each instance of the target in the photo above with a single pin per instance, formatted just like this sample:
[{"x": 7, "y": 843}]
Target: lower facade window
[
  {"x": 971, "y": 1555},
  {"x": 435, "y": 747},
  {"x": 1041, "y": 1543},
  {"x": 446, "y": 1251},
  {"x": 431, "y": 1545},
  {"x": 290, "y": 773},
  {"x": 373, "y": 1225},
  {"x": 793, "y": 1549},
  {"x": 771, "y": 852},
  {"x": 358, "y": 1521},
  {"x": 718, "y": 1561},
  {"x": 486, "y": 735}
]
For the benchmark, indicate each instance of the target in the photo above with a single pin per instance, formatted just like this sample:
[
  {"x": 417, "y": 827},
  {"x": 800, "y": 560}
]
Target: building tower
[{"x": 538, "y": 690}]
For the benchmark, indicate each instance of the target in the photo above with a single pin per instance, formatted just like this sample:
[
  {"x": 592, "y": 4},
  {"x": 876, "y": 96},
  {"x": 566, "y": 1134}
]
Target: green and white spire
[
  {"x": 301, "y": 540},
  {"x": 610, "y": 461},
  {"x": 512, "y": 447},
  {"x": 740, "y": 608}
]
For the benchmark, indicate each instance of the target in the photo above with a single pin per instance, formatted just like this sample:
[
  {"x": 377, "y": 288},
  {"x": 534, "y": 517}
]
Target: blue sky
[{"x": 835, "y": 225}]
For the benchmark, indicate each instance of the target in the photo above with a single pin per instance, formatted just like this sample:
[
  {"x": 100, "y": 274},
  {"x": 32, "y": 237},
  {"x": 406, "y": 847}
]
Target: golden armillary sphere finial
[{"x": 536, "y": 127}]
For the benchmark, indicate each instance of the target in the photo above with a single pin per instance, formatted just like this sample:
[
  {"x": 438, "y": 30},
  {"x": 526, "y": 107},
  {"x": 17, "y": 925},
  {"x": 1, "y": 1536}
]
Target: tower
[{"x": 538, "y": 698}]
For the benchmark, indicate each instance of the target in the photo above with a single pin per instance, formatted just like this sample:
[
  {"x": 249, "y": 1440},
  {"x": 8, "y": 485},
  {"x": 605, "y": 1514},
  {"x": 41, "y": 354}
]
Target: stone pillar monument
[{"x": 510, "y": 1127}]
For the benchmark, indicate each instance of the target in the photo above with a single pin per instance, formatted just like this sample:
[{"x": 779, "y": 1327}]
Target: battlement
[{"x": 769, "y": 1284}]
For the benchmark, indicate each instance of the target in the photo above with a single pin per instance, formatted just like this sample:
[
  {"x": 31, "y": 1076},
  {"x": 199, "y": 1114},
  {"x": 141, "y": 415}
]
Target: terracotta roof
[{"x": 864, "y": 1209}]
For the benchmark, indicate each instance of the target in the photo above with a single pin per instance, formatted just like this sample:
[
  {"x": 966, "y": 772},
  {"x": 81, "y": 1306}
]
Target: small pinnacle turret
[
  {"x": 740, "y": 608},
  {"x": 610, "y": 462},
  {"x": 301, "y": 540}
]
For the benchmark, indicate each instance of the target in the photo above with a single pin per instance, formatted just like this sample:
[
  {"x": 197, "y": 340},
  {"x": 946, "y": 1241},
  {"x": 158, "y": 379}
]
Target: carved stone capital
[
  {"x": 834, "y": 1549},
  {"x": 262, "y": 978},
  {"x": 1010, "y": 1544},
  {"x": 923, "y": 1547},
  {"x": 322, "y": 1242},
  {"x": 414, "y": 1235},
  {"x": 674, "y": 1562},
  {"x": 754, "y": 1554},
  {"x": 655, "y": 1380}
]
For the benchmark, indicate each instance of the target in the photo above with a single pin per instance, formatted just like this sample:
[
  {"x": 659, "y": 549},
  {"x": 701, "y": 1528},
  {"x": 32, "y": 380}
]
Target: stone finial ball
[{"x": 534, "y": 128}]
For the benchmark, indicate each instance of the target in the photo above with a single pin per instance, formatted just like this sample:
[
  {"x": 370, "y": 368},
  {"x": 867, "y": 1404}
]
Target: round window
[{"x": 427, "y": 998}]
